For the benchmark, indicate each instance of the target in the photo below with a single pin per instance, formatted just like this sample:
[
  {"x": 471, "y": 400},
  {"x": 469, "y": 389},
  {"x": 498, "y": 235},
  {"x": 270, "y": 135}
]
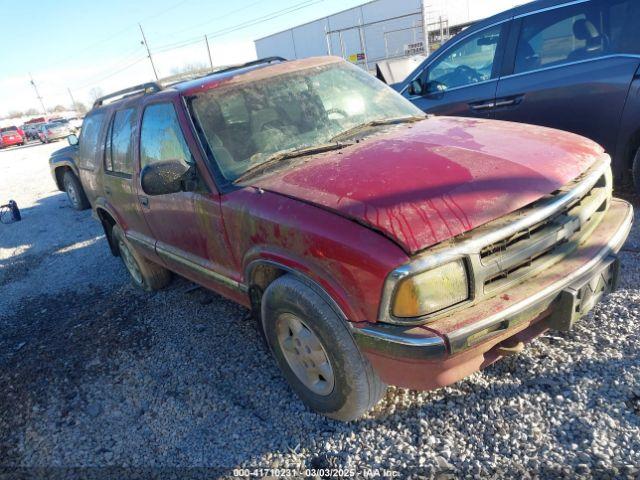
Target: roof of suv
[{"x": 252, "y": 71}]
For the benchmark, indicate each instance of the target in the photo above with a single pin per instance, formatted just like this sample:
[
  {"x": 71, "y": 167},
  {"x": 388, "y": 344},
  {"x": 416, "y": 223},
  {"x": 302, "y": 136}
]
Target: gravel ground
[{"x": 96, "y": 373}]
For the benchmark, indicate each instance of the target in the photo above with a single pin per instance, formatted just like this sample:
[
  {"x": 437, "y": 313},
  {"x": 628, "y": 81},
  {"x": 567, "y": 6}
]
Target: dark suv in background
[{"x": 571, "y": 65}]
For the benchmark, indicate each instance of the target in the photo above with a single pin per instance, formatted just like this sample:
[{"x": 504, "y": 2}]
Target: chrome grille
[
  {"x": 543, "y": 244},
  {"x": 519, "y": 245}
]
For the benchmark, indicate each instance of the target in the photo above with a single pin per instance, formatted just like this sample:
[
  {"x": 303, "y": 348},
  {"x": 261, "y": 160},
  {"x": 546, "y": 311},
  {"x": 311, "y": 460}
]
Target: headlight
[{"x": 431, "y": 291}]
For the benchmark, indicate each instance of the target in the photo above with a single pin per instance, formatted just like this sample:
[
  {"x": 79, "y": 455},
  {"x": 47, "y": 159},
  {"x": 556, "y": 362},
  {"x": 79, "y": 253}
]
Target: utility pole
[
  {"x": 73, "y": 102},
  {"x": 425, "y": 28},
  {"x": 206, "y": 40},
  {"x": 144, "y": 42},
  {"x": 44, "y": 110}
]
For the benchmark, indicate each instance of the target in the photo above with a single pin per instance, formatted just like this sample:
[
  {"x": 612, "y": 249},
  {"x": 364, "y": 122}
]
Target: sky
[{"x": 85, "y": 46}]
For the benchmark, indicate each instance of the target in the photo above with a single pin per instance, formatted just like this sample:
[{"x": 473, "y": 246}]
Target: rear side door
[
  {"x": 187, "y": 226},
  {"x": 563, "y": 69},
  {"x": 462, "y": 79},
  {"x": 118, "y": 179},
  {"x": 89, "y": 153}
]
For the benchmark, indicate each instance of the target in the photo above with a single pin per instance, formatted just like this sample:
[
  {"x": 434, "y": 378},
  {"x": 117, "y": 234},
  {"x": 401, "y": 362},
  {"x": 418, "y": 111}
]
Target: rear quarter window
[{"x": 88, "y": 153}]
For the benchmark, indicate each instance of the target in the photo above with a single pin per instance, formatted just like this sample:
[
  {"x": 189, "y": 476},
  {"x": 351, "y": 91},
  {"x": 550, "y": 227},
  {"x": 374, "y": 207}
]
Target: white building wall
[{"x": 311, "y": 39}]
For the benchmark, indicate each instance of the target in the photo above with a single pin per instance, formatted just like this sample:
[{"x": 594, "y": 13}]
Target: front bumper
[{"x": 446, "y": 350}]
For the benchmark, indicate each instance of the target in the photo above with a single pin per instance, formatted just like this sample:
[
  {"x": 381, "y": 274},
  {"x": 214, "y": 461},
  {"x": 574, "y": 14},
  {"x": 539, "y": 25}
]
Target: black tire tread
[
  {"x": 363, "y": 386},
  {"x": 70, "y": 177},
  {"x": 636, "y": 171}
]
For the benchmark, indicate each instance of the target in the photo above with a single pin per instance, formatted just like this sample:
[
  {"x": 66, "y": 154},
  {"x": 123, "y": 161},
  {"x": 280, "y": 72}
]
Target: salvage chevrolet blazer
[{"x": 374, "y": 245}]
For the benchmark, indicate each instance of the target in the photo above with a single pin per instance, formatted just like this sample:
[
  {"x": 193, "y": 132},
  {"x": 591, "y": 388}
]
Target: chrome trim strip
[
  {"x": 141, "y": 240},
  {"x": 555, "y": 7},
  {"x": 569, "y": 64},
  {"x": 174, "y": 254},
  {"x": 614, "y": 244},
  {"x": 440, "y": 255},
  {"x": 462, "y": 87},
  {"x": 419, "y": 342}
]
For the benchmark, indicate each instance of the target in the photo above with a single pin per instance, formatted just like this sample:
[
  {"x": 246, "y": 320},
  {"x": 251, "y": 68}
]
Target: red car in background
[{"x": 11, "y": 136}]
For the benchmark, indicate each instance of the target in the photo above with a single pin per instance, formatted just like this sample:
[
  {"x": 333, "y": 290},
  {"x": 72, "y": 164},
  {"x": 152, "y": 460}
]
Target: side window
[
  {"x": 88, "y": 149},
  {"x": 471, "y": 61},
  {"x": 118, "y": 151},
  {"x": 562, "y": 35},
  {"x": 161, "y": 138},
  {"x": 622, "y": 19}
]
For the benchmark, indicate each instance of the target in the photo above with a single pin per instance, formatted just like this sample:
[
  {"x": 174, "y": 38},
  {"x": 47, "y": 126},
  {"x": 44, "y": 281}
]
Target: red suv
[{"x": 375, "y": 245}]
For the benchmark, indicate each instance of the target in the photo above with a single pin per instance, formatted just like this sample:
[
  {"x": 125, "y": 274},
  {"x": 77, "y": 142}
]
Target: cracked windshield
[{"x": 245, "y": 126}]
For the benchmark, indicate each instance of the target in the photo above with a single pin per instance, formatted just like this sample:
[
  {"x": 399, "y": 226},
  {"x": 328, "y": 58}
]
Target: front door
[
  {"x": 187, "y": 226},
  {"x": 461, "y": 80},
  {"x": 568, "y": 70}
]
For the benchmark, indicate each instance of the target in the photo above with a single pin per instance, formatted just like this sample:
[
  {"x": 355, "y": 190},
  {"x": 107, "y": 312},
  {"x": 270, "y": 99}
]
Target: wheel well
[
  {"x": 107, "y": 224},
  {"x": 60, "y": 171},
  {"x": 261, "y": 276},
  {"x": 632, "y": 148}
]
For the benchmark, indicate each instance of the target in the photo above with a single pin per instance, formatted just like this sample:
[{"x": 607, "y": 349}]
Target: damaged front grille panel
[
  {"x": 540, "y": 246},
  {"x": 520, "y": 245}
]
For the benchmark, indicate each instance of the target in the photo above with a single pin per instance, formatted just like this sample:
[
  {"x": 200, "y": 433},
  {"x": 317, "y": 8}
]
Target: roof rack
[
  {"x": 153, "y": 87},
  {"x": 252, "y": 63},
  {"x": 149, "y": 87}
]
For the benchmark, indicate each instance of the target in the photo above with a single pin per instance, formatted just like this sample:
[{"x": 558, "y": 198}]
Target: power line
[
  {"x": 112, "y": 74},
  {"x": 113, "y": 35},
  {"x": 240, "y": 26}
]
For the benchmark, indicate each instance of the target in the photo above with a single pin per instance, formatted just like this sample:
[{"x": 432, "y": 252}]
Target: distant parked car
[
  {"x": 53, "y": 131},
  {"x": 557, "y": 63},
  {"x": 64, "y": 170},
  {"x": 10, "y": 136},
  {"x": 31, "y": 131}
]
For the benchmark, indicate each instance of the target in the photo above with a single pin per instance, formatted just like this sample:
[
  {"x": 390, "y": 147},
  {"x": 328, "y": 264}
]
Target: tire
[
  {"x": 75, "y": 192},
  {"x": 349, "y": 386},
  {"x": 636, "y": 171},
  {"x": 144, "y": 273}
]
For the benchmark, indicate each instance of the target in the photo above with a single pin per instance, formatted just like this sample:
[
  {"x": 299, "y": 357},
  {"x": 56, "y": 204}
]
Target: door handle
[
  {"x": 509, "y": 101},
  {"x": 107, "y": 190},
  {"x": 144, "y": 201},
  {"x": 482, "y": 105}
]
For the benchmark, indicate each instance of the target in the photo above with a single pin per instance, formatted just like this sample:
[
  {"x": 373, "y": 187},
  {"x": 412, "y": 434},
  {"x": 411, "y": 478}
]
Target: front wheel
[{"x": 316, "y": 352}]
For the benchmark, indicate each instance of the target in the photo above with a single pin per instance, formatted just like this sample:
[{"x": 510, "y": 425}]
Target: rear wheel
[
  {"x": 75, "y": 192},
  {"x": 316, "y": 352},
  {"x": 144, "y": 273}
]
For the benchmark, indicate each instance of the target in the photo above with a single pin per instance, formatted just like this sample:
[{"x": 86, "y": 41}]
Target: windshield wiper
[
  {"x": 293, "y": 153},
  {"x": 376, "y": 123}
]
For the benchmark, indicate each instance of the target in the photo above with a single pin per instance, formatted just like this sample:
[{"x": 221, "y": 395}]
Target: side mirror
[
  {"x": 163, "y": 178},
  {"x": 415, "y": 87},
  {"x": 435, "y": 89},
  {"x": 72, "y": 139}
]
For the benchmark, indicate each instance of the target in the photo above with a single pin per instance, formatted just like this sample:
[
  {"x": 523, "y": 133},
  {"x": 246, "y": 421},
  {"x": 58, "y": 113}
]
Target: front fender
[{"x": 345, "y": 259}]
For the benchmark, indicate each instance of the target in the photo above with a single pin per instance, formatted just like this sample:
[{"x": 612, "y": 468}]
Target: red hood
[{"x": 428, "y": 182}]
